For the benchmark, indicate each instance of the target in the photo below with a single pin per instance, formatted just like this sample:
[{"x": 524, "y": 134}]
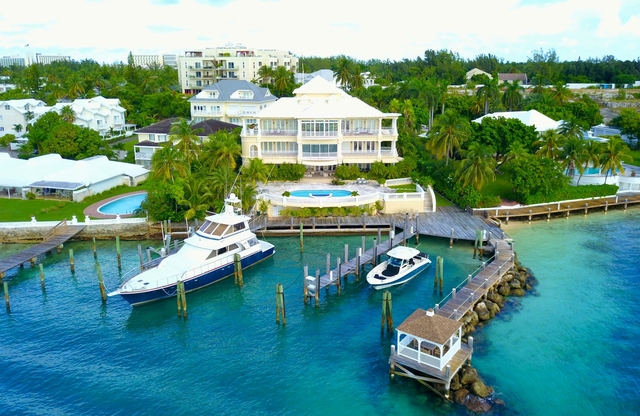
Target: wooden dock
[
  {"x": 352, "y": 266},
  {"x": 54, "y": 238},
  {"x": 447, "y": 222},
  {"x": 564, "y": 208},
  {"x": 464, "y": 297}
]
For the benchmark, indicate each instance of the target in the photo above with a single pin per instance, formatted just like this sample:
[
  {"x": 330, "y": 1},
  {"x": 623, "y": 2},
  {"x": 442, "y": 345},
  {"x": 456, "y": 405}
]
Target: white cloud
[{"x": 397, "y": 30}]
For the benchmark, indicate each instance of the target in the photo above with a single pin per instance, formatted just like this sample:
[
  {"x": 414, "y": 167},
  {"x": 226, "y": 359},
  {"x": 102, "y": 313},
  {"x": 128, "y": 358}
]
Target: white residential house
[
  {"x": 97, "y": 113},
  {"x": 231, "y": 102},
  {"x": 203, "y": 67},
  {"x": 476, "y": 71},
  {"x": 150, "y": 138},
  {"x": 322, "y": 127},
  {"x": 534, "y": 118},
  {"x": 13, "y": 112}
]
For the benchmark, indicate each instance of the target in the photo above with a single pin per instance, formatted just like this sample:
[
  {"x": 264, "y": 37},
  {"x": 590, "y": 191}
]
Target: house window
[
  {"x": 230, "y": 65},
  {"x": 234, "y": 120},
  {"x": 199, "y": 108},
  {"x": 213, "y": 94},
  {"x": 198, "y": 83},
  {"x": 152, "y": 137},
  {"x": 254, "y": 66},
  {"x": 215, "y": 109},
  {"x": 198, "y": 74},
  {"x": 7, "y": 107},
  {"x": 162, "y": 137},
  {"x": 26, "y": 107},
  {"x": 1, "y": 128},
  {"x": 0, "y": 118},
  {"x": 242, "y": 64},
  {"x": 319, "y": 128},
  {"x": 198, "y": 65}
]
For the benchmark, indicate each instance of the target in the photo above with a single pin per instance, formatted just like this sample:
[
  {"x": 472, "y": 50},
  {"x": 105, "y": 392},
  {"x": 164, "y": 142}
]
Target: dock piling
[
  {"x": 148, "y": 255},
  {"x": 358, "y": 254},
  {"x": 41, "y": 276},
  {"x": 328, "y": 262},
  {"x": 95, "y": 248},
  {"x": 548, "y": 214},
  {"x": 237, "y": 266},
  {"x": 301, "y": 238},
  {"x": 71, "y": 261},
  {"x": 417, "y": 231},
  {"x": 280, "y": 308},
  {"x": 339, "y": 269},
  {"x": 586, "y": 208},
  {"x": 7, "y": 301},
  {"x": 118, "y": 251},
  {"x": 346, "y": 253},
  {"x": 305, "y": 274},
  {"x": 606, "y": 206},
  {"x": 374, "y": 259},
  {"x": 103, "y": 291},
  {"x": 317, "y": 294},
  {"x": 387, "y": 315},
  {"x": 439, "y": 275},
  {"x": 140, "y": 257},
  {"x": 451, "y": 238}
]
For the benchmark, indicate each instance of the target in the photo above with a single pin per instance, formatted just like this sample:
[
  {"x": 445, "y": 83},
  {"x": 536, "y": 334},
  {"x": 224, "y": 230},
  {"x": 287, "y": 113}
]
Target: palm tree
[
  {"x": 266, "y": 74},
  {"x": 590, "y": 155},
  {"x": 560, "y": 93},
  {"x": 247, "y": 194},
  {"x": 614, "y": 151},
  {"x": 222, "y": 148},
  {"x": 196, "y": 196},
  {"x": 515, "y": 152},
  {"x": 512, "y": 96},
  {"x": 186, "y": 139},
  {"x": 571, "y": 128},
  {"x": 488, "y": 92},
  {"x": 283, "y": 81},
  {"x": 549, "y": 144},
  {"x": 75, "y": 87},
  {"x": 343, "y": 72},
  {"x": 18, "y": 129},
  {"x": 220, "y": 181},
  {"x": 477, "y": 167},
  {"x": 408, "y": 112},
  {"x": 573, "y": 155},
  {"x": 167, "y": 162},
  {"x": 450, "y": 131},
  {"x": 395, "y": 105},
  {"x": 256, "y": 171},
  {"x": 68, "y": 114}
]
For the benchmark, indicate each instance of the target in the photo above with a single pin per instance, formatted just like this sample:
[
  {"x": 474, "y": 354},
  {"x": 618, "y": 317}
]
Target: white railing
[
  {"x": 170, "y": 280},
  {"x": 319, "y": 155},
  {"x": 319, "y": 134},
  {"x": 292, "y": 201},
  {"x": 279, "y": 132},
  {"x": 399, "y": 181},
  {"x": 283, "y": 153}
]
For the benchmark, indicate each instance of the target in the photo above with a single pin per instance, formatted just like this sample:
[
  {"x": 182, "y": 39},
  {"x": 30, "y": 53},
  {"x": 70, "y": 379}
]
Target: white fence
[{"x": 88, "y": 222}]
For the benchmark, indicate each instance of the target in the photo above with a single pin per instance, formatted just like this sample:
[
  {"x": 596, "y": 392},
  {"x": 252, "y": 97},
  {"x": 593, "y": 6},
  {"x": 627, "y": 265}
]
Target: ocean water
[{"x": 570, "y": 349}]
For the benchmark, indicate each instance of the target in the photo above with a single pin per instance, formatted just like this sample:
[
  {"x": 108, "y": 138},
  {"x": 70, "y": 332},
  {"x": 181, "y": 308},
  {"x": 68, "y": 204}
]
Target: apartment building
[
  {"x": 232, "y": 101},
  {"x": 17, "y": 112},
  {"x": 204, "y": 67}
]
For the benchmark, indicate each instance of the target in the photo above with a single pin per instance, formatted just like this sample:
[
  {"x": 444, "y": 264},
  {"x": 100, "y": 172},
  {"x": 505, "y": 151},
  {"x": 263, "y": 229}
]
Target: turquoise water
[
  {"x": 320, "y": 192},
  {"x": 569, "y": 350},
  {"x": 125, "y": 205}
]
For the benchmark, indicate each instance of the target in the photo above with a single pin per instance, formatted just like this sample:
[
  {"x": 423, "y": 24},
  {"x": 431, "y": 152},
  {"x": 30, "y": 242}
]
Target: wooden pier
[
  {"x": 353, "y": 266},
  {"x": 53, "y": 239},
  {"x": 564, "y": 208}
]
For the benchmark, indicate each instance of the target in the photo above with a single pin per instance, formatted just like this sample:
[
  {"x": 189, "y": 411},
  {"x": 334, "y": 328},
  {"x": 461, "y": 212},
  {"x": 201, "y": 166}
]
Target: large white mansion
[{"x": 321, "y": 127}]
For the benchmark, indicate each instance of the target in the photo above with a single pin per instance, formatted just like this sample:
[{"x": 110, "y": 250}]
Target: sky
[{"x": 107, "y": 30}]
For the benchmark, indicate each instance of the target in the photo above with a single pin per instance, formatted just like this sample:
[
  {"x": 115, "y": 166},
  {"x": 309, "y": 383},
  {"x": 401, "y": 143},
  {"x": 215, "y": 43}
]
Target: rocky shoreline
[{"x": 467, "y": 387}]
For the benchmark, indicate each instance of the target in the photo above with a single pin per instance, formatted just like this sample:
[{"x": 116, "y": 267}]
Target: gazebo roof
[{"x": 431, "y": 328}]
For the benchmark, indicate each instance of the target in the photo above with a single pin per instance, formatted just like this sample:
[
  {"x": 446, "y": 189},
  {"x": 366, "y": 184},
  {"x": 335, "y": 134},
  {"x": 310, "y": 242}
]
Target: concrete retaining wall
[{"x": 135, "y": 231}]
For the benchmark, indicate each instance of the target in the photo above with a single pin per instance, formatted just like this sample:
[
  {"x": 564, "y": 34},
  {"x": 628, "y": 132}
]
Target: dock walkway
[
  {"x": 563, "y": 208},
  {"x": 56, "y": 237}
]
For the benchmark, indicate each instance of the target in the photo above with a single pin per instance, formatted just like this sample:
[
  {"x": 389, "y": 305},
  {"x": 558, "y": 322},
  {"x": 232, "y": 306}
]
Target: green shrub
[
  {"x": 286, "y": 194},
  {"x": 30, "y": 195}
]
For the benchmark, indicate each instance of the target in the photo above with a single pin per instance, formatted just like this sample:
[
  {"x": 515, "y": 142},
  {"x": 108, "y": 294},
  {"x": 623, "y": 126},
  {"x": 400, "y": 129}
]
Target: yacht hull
[{"x": 140, "y": 297}]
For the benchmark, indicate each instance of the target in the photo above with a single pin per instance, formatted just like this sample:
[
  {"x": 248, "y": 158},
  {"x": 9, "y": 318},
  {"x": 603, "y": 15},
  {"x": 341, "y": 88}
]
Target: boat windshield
[{"x": 395, "y": 262}]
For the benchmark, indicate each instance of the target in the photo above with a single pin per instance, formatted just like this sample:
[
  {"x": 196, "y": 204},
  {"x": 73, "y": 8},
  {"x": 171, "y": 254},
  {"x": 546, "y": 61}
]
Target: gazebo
[{"x": 428, "y": 338}]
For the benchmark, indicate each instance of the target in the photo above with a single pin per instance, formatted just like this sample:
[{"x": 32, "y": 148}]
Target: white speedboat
[
  {"x": 205, "y": 258},
  {"x": 404, "y": 264}
]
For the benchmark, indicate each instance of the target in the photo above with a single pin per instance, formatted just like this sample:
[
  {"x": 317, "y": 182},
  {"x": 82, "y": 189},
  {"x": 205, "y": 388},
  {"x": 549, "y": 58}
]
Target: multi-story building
[
  {"x": 149, "y": 60},
  {"x": 230, "y": 101},
  {"x": 12, "y": 60},
  {"x": 97, "y": 113},
  {"x": 322, "y": 127},
  {"x": 151, "y": 138},
  {"x": 200, "y": 68},
  {"x": 18, "y": 112},
  {"x": 47, "y": 59}
]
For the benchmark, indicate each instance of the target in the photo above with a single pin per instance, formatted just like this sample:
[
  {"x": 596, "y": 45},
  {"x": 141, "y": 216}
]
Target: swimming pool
[
  {"x": 320, "y": 193},
  {"x": 125, "y": 205}
]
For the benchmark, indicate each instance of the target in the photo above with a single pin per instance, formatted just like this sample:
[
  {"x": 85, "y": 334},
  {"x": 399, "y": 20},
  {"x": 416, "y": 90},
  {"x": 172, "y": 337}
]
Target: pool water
[
  {"x": 125, "y": 205},
  {"x": 318, "y": 193}
]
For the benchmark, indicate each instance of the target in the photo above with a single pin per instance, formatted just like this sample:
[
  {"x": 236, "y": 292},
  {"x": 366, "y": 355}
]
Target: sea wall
[
  {"x": 126, "y": 231},
  {"x": 467, "y": 387}
]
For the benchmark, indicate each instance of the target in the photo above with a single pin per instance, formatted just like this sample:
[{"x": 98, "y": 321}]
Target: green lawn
[
  {"x": 400, "y": 189},
  {"x": 636, "y": 158},
  {"x": 48, "y": 210}
]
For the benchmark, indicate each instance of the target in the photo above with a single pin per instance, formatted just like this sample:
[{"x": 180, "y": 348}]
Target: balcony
[
  {"x": 287, "y": 153},
  {"x": 320, "y": 134},
  {"x": 360, "y": 132},
  {"x": 207, "y": 112},
  {"x": 290, "y": 133},
  {"x": 320, "y": 155}
]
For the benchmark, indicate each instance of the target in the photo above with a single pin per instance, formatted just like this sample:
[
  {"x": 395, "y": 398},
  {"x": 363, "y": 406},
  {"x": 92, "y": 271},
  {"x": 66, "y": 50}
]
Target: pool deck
[
  {"x": 92, "y": 210},
  {"x": 324, "y": 184}
]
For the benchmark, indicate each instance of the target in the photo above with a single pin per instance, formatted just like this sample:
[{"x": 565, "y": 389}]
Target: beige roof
[
  {"x": 318, "y": 99},
  {"x": 434, "y": 328}
]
